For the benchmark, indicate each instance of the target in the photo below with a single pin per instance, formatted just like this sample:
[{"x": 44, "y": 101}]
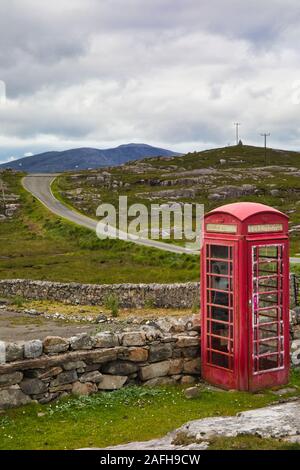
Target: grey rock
[
  {"x": 133, "y": 338},
  {"x": 33, "y": 349},
  {"x": 14, "y": 352},
  {"x": 33, "y": 386},
  {"x": 120, "y": 368},
  {"x": 65, "y": 378},
  {"x": 82, "y": 341},
  {"x": 10, "y": 379},
  {"x": 86, "y": 389},
  {"x": 105, "y": 340},
  {"x": 94, "y": 377},
  {"x": 160, "y": 352},
  {"x": 112, "y": 382},
  {"x": 55, "y": 344},
  {"x": 11, "y": 398},
  {"x": 74, "y": 365},
  {"x": 158, "y": 369},
  {"x": 192, "y": 392}
]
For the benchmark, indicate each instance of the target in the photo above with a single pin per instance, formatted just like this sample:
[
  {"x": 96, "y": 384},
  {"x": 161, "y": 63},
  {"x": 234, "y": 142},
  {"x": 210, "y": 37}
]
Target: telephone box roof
[{"x": 243, "y": 210}]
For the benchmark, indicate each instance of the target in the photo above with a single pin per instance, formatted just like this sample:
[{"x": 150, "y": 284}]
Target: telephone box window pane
[
  {"x": 268, "y": 347},
  {"x": 268, "y": 362},
  {"x": 220, "y": 313},
  {"x": 219, "y": 267},
  {"x": 268, "y": 283},
  {"x": 220, "y": 283},
  {"x": 219, "y": 329},
  {"x": 270, "y": 251},
  {"x": 220, "y": 360},
  {"x": 267, "y": 300},
  {"x": 219, "y": 298},
  {"x": 219, "y": 251},
  {"x": 220, "y": 344}
]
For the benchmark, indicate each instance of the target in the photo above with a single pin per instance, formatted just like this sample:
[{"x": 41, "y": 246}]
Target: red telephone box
[{"x": 245, "y": 297}]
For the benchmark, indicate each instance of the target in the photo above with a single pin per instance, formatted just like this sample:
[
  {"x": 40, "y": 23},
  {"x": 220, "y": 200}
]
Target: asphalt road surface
[{"x": 39, "y": 185}]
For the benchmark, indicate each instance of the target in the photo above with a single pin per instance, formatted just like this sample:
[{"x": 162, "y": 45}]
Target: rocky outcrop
[{"x": 278, "y": 422}]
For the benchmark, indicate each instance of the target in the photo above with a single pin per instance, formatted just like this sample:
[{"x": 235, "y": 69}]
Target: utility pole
[
  {"x": 265, "y": 135},
  {"x": 237, "y": 124}
]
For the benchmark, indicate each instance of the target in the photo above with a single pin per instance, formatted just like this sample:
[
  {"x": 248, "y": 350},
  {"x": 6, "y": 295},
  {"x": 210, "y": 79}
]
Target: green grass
[
  {"x": 130, "y": 414},
  {"x": 36, "y": 244}
]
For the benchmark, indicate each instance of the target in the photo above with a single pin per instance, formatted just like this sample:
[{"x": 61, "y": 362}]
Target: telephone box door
[
  {"x": 268, "y": 313},
  {"x": 218, "y": 312}
]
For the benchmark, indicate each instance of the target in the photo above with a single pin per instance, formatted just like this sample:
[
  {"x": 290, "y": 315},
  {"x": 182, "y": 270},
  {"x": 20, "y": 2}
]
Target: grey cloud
[{"x": 169, "y": 71}]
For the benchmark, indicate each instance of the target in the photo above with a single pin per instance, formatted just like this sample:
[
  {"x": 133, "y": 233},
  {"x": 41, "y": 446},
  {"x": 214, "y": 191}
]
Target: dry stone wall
[
  {"x": 82, "y": 365},
  {"x": 179, "y": 295}
]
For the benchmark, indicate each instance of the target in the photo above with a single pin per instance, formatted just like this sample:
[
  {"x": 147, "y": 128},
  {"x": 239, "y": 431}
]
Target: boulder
[
  {"x": 192, "y": 366},
  {"x": 192, "y": 392},
  {"x": 11, "y": 398},
  {"x": 175, "y": 366},
  {"x": 33, "y": 349},
  {"x": 120, "y": 368},
  {"x": 105, "y": 340},
  {"x": 65, "y": 378},
  {"x": 187, "y": 341},
  {"x": 112, "y": 382},
  {"x": 94, "y": 377},
  {"x": 158, "y": 369},
  {"x": 133, "y": 338},
  {"x": 55, "y": 344},
  {"x": 137, "y": 354},
  {"x": 14, "y": 352},
  {"x": 10, "y": 379},
  {"x": 86, "y": 389},
  {"x": 82, "y": 341},
  {"x": 33, "y": 386},
  {"x": 74, "y": 365},
  {"x": 160, "y": 352}
]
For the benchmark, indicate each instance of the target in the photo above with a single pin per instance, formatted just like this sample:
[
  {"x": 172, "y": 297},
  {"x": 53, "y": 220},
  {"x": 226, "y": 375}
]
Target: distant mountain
[{"x": 85, "y": 158}]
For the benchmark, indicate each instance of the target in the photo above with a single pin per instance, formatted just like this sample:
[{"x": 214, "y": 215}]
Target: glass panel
[
  {"x": 219, "y": 251},
  {"x": 219, "y": 267},
  {"x": 219, "y": 298},
  {"x": 220, "y": 360},
  {"x": 220, "y": 283},
  {"x": 220, "y": 329},
  {"x": 268, "y": 347},
  {"x": 220, "y": 313},
  {"x": 269, "y": 362},
  {"x": 267, "y": 267},
  {"x": 267, "y": 300}
]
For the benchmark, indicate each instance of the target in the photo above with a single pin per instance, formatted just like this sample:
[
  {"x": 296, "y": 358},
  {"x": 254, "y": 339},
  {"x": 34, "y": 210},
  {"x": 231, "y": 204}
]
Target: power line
[
  {"x": 265, "y": 135},
  {"x": 237, "y": 124}
]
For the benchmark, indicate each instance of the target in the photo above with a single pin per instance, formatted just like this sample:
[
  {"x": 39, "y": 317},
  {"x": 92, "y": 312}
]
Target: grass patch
[{"x": 130, "y": 414}]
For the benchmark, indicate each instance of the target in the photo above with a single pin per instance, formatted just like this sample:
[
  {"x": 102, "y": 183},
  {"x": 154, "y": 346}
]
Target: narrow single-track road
[{"x": 39, "y": 185}]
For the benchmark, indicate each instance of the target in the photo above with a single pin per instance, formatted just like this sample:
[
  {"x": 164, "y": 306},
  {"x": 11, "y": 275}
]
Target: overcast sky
[{"x": 174, "y": 73}]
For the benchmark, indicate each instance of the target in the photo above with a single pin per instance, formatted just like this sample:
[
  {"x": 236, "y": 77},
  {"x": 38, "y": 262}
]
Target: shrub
[{"x": 111, "y": 302}]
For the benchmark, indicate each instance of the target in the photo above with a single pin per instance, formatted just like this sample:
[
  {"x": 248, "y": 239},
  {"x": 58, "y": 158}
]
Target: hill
[
  {"x": 211, "y": 177},
  {"x": 85, "y": 158}
]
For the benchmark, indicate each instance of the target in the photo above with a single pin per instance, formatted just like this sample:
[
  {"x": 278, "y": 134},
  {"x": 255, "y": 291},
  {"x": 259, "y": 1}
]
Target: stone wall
[
  {"x": 129, "y": 295},
  {"x": 82, "y": 365}
]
